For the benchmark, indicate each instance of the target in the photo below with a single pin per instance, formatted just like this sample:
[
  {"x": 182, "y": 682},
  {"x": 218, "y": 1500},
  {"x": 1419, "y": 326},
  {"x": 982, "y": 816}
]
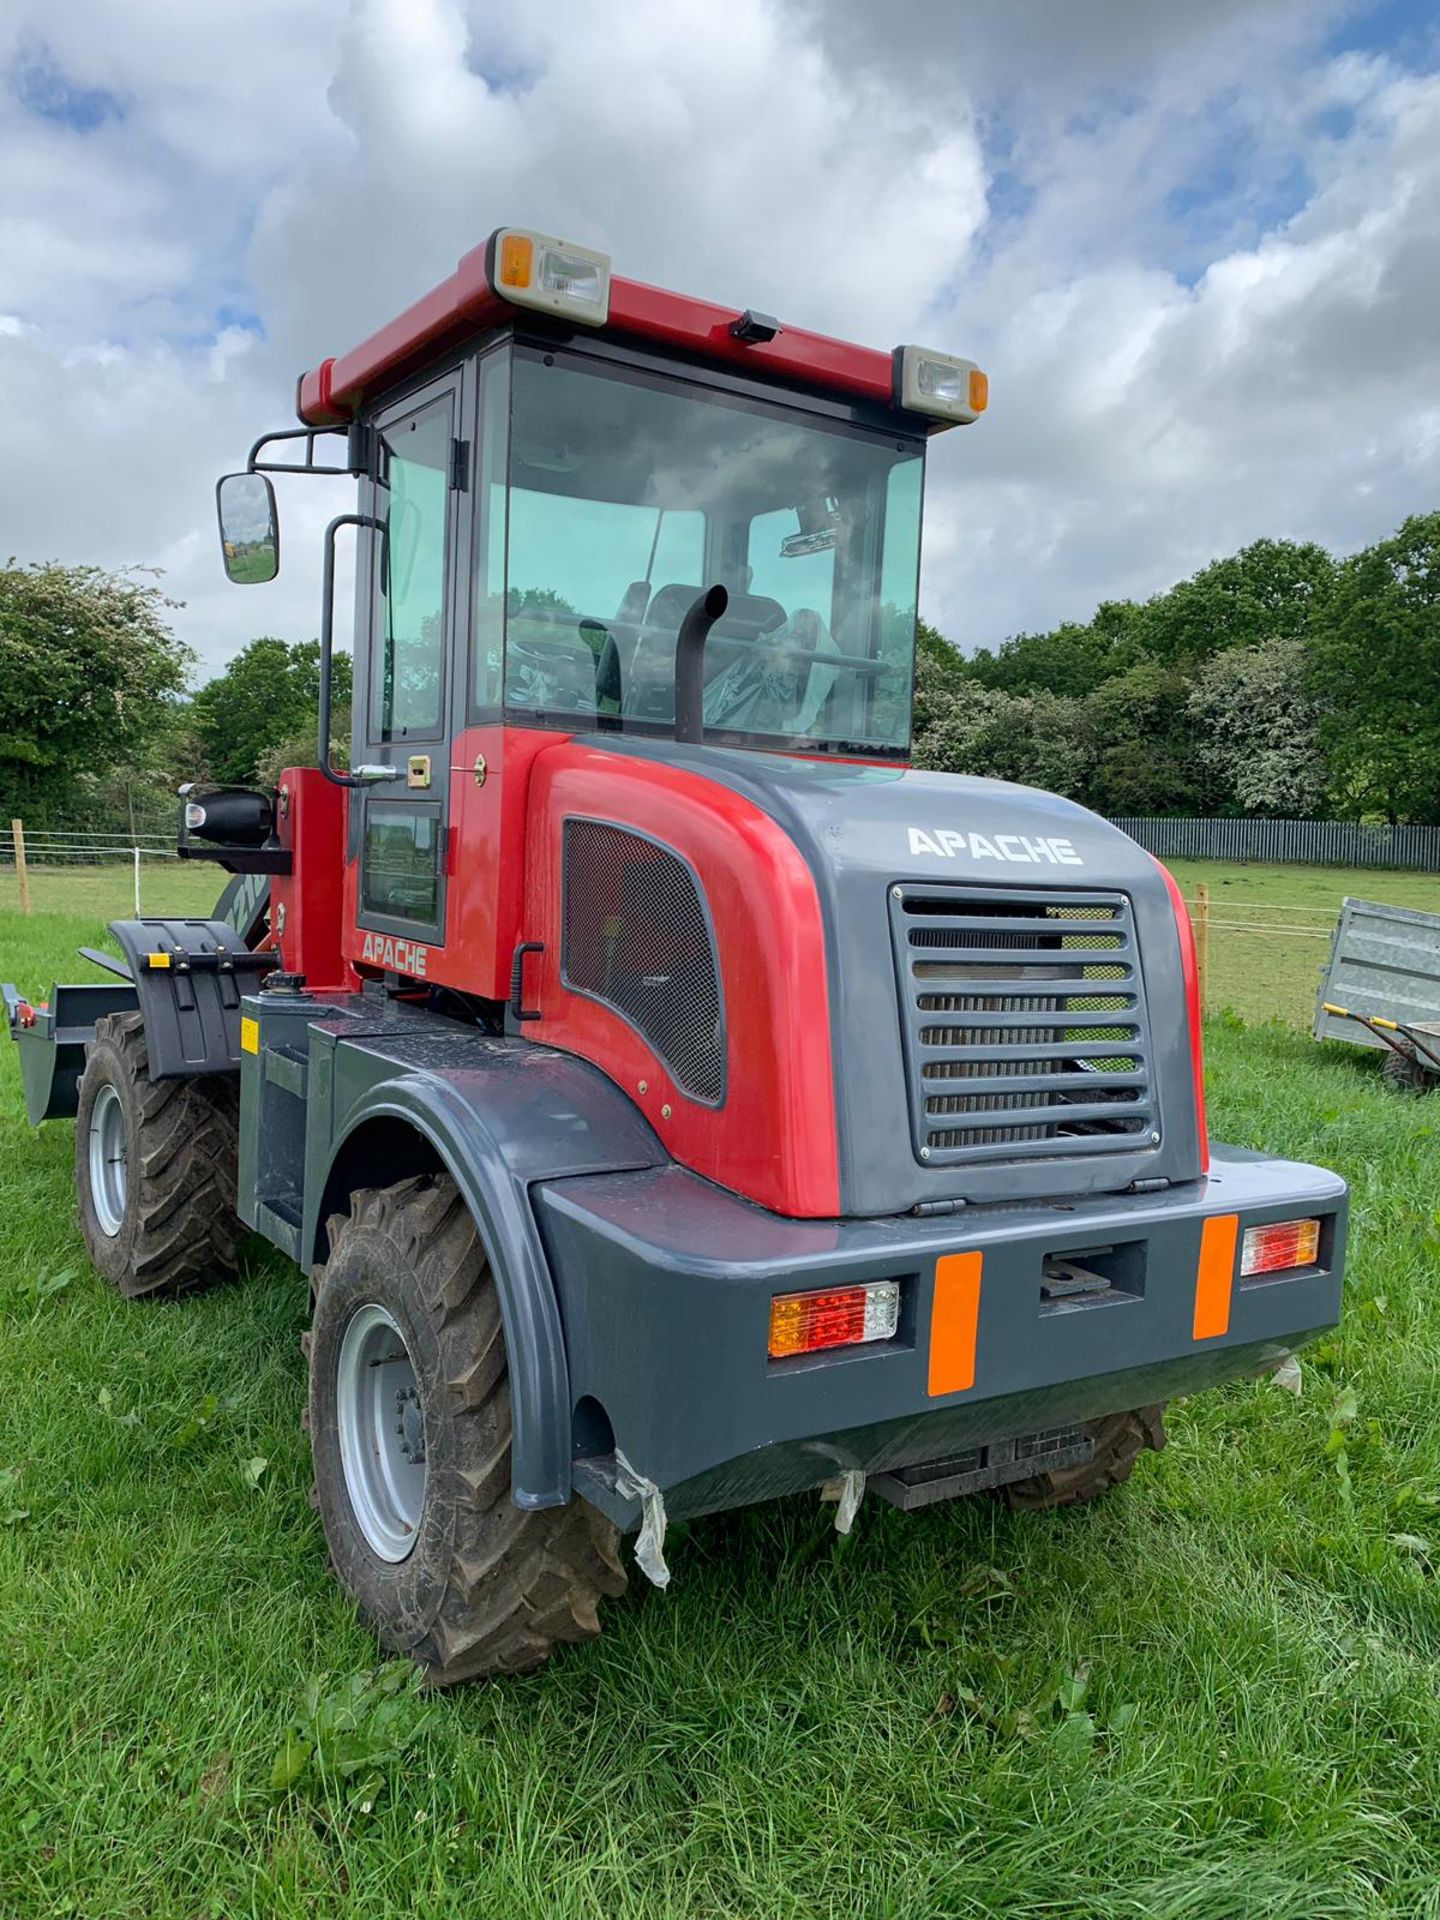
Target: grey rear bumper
[{"x": 665, "y": 1285}]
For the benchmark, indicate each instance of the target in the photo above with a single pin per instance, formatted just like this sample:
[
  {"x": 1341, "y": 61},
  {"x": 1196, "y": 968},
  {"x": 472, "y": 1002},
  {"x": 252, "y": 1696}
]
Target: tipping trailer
[
  {"x": 1380, "y": 987},
  {"x": 675, "y": 1099}
]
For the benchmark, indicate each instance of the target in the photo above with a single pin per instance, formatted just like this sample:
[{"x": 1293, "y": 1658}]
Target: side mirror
[{"x": 249, "y": 528}]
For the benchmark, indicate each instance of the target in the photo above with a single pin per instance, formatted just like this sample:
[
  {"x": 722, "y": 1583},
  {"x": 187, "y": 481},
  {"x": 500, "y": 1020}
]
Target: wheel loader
[{"x": 672, "y": 1098}]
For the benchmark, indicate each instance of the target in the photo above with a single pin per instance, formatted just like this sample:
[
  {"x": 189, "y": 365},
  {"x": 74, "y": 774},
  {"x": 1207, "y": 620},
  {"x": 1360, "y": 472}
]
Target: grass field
[{"x": 1216, "y": 1695}]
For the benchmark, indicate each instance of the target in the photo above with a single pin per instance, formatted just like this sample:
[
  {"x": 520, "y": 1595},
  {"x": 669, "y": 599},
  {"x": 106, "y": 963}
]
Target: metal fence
[{"x": 1310, "y": 843}]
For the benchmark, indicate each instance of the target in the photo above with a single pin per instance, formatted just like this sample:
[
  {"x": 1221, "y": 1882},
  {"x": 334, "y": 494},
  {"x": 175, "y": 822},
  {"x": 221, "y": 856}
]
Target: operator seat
[
  {"x": 648, "y": 674},
  {"x": 781, "y": 689}
]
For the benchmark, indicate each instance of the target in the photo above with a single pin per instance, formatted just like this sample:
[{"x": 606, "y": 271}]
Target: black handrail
[{"x": 361, "y": 776}]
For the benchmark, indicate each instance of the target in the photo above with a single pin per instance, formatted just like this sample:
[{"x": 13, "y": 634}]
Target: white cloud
[
  {"x": 1142, "y": 426},
  {"x": 1197, "y": 253}
]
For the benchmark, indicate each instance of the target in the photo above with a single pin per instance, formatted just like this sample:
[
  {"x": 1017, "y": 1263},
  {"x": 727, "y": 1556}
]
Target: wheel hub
[
  {"x": 108, "y": 1170},
  {"x": 410, "y": 1425},
  {"x": 381, "y": 1430}
]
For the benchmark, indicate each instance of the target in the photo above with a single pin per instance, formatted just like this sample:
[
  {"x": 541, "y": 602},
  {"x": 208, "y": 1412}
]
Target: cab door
[{"x": 403, "y": 683}]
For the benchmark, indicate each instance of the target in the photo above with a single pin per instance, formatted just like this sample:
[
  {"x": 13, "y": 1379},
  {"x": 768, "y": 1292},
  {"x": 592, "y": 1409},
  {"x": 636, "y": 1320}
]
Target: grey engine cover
[{"x": 864, "y": 830}]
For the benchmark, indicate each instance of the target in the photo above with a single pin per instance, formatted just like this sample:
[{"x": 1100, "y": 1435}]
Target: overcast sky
[{"x": 1196, "y": 247}]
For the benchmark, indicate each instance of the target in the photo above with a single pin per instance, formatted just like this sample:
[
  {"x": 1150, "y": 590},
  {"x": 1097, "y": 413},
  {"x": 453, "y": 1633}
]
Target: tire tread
[
  {"x": 519, "y": 1582},
  {"x": 188, "y": 1232},
  {"x": 1119, "y": 1440}
]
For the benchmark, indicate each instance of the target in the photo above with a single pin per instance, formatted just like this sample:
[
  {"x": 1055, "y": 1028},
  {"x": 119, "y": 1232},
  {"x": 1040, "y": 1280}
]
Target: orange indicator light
[{"x": 517, "y": 260}]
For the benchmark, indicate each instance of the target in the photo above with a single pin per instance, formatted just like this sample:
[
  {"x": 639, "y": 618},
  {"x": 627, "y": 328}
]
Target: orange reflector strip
[
  {"x": 954, "y": 1321},
  {"x": 979, "y": 390},
  {"x": 1216, "y": 1275},
  {"x": 517, "y": 260}
]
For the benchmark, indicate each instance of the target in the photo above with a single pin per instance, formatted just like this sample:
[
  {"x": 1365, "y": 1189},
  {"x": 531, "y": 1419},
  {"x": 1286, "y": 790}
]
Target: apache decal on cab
[
  {"x": 396, "y": 956},
  {"x": 1026, "y": 848}
]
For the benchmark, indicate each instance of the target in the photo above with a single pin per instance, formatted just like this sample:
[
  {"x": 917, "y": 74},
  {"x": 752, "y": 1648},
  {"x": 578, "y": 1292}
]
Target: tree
[
  {"x": 1073, "y": 658},
  {"x": 1376, "y": 659},
  {"x": 1141, "y": 747},
  {"x": 1270, "y": 590},
  {"x": 1257, "y": 729},
  {"x": 939, "y": 673},
  {"x": 268, "y": 697},
  {"x": 1035, "y": 739},
  {"x": 90, "y": 676}
]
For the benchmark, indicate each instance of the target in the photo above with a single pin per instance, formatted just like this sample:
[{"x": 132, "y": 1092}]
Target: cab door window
[{"x": 407, "y": 689}]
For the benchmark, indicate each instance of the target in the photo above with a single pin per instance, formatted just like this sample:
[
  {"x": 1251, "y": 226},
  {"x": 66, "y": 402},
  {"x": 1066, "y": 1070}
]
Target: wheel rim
[
  {"x": 108, "y": 1183},
  {"x": 382, "y": 1432}
]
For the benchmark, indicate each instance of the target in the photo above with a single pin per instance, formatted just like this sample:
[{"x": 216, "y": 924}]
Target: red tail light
[
  {"x": 1279, "y": 1247},
  {"x": 1192, "y": 1005},
  {"x": 837, "y": 1317}
]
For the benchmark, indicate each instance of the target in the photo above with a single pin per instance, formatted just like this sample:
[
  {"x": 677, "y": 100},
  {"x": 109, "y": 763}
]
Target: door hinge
[
  {"x": 362, "y": 450},
  {"x": 460, "y": 465}
]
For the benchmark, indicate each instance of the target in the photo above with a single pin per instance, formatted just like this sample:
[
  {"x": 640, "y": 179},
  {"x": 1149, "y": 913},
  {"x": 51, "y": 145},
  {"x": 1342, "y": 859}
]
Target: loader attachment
[{"x": 52, "y": 1039}]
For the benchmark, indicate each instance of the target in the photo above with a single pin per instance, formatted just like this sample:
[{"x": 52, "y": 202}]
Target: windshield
[{"x": 629, "y": 495}]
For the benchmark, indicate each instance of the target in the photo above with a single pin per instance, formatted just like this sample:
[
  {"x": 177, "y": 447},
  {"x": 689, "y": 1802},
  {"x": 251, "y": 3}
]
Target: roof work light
[
  {"x": 537, "y": 270},
  {"x": 941, "y": 384}
]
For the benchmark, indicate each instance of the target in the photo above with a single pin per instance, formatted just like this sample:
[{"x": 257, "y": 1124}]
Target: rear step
[{"x": 979, "y": 1469}]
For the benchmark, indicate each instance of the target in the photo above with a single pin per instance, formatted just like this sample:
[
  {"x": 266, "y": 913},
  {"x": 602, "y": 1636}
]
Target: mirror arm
[
  {"x": 361, "y": 776},
  {"x": 359, "y": 451}
]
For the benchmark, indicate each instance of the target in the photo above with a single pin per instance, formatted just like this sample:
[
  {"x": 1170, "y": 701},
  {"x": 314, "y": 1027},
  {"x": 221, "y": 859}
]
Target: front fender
[{"x": 501, "y": 1116}]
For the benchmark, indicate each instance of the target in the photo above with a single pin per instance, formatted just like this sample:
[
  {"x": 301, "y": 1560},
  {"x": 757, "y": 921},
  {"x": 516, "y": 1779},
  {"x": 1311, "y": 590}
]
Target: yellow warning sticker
[{"x": 249, "y": 1034}]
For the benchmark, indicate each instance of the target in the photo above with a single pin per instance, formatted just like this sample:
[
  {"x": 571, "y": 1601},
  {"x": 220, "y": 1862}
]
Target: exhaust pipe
[{"x": 690, "y": 664}]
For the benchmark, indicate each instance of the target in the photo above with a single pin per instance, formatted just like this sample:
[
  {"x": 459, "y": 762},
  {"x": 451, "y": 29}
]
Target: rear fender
[{"x": 189, "y": 976}]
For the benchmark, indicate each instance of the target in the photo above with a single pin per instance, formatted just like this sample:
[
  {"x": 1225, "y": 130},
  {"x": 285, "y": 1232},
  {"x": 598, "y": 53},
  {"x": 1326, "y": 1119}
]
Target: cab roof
[{"x": 467, "y": 302}]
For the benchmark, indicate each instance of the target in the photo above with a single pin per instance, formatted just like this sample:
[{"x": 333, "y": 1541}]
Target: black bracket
[
  {"x": 359, "y": 451},
  {"x": 243, "y": 859},
  {"x": 518, "y": 1010}
]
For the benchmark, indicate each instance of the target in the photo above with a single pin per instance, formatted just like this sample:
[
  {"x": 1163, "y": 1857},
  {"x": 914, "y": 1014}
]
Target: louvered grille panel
[
  {"x": 1025, "y": 1026},
  {"x": 636, "y": 936}
]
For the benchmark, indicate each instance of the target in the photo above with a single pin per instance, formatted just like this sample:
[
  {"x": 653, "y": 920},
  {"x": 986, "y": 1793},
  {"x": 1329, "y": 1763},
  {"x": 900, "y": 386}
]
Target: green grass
[
  {"x": 887, "y": 1726},
  {"x": 60, "y": 896},
  {"x": 1270, "y": 928}
]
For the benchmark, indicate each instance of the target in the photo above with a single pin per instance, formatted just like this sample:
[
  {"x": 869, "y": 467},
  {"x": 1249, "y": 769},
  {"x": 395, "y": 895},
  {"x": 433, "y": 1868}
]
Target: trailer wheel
[
  {"x": 1119, "y": 1440},
  {"x": 1405, "y": 1071},
  {"x": 410, "y": 1427},
  {"x": 155, "y": 1166}
]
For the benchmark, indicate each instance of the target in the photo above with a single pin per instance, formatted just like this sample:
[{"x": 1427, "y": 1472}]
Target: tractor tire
[
  {"x": 155, "y": 1166},
  {"x": 410, "y": 1428},
  {"x": 1120, "y": 1439}
]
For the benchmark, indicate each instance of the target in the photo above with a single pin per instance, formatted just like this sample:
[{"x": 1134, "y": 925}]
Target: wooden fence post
[
  {"x": 1202, "y": 939},
  {"x": 22, "y": 872}
]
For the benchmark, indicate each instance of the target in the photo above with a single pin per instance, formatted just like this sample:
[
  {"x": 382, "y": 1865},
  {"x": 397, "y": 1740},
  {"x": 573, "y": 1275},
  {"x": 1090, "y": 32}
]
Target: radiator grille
[
  {"x": 636, "y": 936},
  {"x": 1024, "y": 1023}
]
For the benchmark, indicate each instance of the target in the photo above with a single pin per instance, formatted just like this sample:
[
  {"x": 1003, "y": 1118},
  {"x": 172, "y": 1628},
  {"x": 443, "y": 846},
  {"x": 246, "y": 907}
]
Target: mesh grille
[
  {"x": 1025, "y": 1034},
  {"x": 636, "y": 936}
]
